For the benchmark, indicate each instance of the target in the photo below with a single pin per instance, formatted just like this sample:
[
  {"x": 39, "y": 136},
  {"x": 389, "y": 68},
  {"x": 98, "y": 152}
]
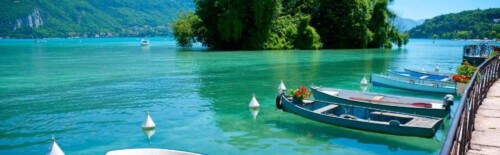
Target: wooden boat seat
[
  {"x": 325, "y": 108},
  {"x": 445, "y": 79},
  {"x": 377, "y": 98},
  {"x": 423, "y": 122},
  {"x": 307, "y": 101},
  {"x": 390, "y": 114},
  {"x": 424, "y": 77},
  {"x": 333, "y": 93}
]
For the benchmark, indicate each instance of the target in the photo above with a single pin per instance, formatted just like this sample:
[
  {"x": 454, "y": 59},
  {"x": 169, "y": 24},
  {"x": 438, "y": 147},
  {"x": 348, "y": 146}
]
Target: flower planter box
[{"x": 460, "y": 88}]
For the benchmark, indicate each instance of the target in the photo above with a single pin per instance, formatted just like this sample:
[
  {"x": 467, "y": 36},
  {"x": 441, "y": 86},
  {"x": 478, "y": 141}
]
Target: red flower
[{"x": 300, "y": 93}]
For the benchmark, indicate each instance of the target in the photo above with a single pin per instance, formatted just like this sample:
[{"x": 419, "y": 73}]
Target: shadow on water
[
  {"x": 334, "y": 135},
  {"x": 292, "y": 132}
]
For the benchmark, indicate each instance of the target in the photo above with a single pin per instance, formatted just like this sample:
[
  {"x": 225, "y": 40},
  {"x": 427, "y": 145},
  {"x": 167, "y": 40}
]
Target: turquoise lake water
[{"x": 92, "y": 95}]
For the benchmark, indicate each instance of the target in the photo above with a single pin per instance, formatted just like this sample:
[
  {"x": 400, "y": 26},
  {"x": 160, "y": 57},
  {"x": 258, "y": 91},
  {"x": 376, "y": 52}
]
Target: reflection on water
[
  {"x": 93, "y": 94},
  {"x": 148, "y": 133},
  {"x": 254, "y": 112}
]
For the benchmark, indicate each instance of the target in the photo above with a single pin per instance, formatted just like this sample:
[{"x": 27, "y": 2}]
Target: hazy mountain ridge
[
  {"x": 406, "y": 24},
  {"x": 90, "y": 18}
]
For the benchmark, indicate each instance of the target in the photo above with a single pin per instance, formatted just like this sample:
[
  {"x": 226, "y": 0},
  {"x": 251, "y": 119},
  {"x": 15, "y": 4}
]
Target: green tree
[
  {"x": 342, "y": 23},
  {"x": 293, "y": 32},
  {"x": 307, "y": 37},
  {"x": 186, "y": 28},
  {"x": 405, "y": 37},
  {"x": 237, "y": 24},
  {"x": 378, "y": 23},
  {"x": 300, "y": 24}
]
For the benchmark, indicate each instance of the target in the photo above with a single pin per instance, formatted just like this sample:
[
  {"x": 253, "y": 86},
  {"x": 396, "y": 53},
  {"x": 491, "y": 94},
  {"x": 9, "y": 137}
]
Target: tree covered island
[{"x": 288, "y": 24}]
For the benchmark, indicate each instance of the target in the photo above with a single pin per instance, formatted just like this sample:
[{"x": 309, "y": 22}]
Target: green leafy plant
[
  {"x": 464, "y": 72},
  {"x": 492, "y": 54},
  {"x": 300, "y": 93}
]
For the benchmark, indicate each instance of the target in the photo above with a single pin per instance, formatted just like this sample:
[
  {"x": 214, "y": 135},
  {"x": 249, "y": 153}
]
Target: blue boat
[
  {"x": 429, "y": 80},
  {"x": 385, "y": 102},
  {"x": 363, "y": 118},
  {"x": 409, "y": 84},
  {"x": 438, "y": 73},
  {"x": 422, "y": 77}
]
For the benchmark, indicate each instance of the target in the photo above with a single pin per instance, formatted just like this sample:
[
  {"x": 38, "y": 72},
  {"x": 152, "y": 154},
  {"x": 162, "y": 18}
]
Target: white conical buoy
[
  {"x": 364, "y": 82},
  {"x": 254, "y": 112},
  {"x": 148, "y": 122},
  {"x": 423, "y": 69},
  {"x": 281, "y": 87},
  {"x": 253, "y": 102},
  {"x": 437, "y": 68},
  {"x": 55, "y": 149}
]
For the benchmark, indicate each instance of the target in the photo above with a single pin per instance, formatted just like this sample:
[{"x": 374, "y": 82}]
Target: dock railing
[{"x": 458, "y": 140}]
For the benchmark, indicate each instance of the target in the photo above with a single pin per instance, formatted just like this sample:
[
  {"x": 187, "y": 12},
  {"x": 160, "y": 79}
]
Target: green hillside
[
  {"x": 473, "y": 24},
  {"x": 88, "y": 18}
]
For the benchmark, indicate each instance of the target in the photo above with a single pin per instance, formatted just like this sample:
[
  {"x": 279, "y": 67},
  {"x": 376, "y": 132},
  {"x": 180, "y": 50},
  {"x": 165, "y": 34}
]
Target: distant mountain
[
  {"x": 405, "y": 24},
  {"x": 88, "y": 18},
  {"x": 473, "y": 24}
]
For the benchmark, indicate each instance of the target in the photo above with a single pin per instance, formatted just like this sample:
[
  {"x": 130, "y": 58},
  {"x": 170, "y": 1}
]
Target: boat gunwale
[
  {"x": 398, "y": 80},
  {"x": 398, "y": 73},
  {"x": 349, "y": 105},
  {"x": 427, "y": 72},
  {"x": 432, "y": 127},
  {"x": 316, "y": 88}
]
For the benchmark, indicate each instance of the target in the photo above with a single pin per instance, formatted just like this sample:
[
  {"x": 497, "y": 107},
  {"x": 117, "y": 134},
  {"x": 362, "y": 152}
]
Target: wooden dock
[{"x": 485, "y": 138}]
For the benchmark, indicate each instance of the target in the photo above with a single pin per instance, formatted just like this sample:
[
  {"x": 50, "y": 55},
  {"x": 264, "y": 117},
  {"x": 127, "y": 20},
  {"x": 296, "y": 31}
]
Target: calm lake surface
[{"x": 92, "y": 95}]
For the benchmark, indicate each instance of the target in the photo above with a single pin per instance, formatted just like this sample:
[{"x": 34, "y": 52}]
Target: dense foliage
[
  {"x": 464, "y": 72},
  {"x": 237, "y": 24},
  {"x": 185, "y": 28},
  {"x": 291, "y": 24},
  {"x": 343, "y": 23},
  {"x": 473, "y": 24},
  {"x": 88, "y": 18}
]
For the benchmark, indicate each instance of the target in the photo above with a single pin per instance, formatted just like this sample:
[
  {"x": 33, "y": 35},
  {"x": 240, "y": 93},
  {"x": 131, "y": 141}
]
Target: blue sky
[{"x": 425, "y": 9}]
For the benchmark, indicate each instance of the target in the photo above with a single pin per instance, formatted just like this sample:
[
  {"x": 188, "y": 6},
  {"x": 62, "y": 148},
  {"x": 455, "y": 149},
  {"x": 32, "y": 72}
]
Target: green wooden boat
[
  {"x": 385, "y": 102},
  {"x": 363, "y": 118}
]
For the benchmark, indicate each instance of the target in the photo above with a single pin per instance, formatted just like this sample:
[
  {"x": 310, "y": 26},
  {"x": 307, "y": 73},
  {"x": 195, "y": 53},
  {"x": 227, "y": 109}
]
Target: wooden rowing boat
[
  {"x": 363, "y": 118},
  {"x": 412, "y": 84},
  {"x": 384, "y": 101}
]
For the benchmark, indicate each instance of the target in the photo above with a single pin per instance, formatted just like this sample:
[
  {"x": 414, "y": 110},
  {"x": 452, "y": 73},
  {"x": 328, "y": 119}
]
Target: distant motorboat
[
  {"x": 144, "y": 42},
  {"x": 151, "y": 151},
  {"x": 363, "y": 118},
  {"x": 39, "y": 40},
  {"x": 384, "y": 101}
]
